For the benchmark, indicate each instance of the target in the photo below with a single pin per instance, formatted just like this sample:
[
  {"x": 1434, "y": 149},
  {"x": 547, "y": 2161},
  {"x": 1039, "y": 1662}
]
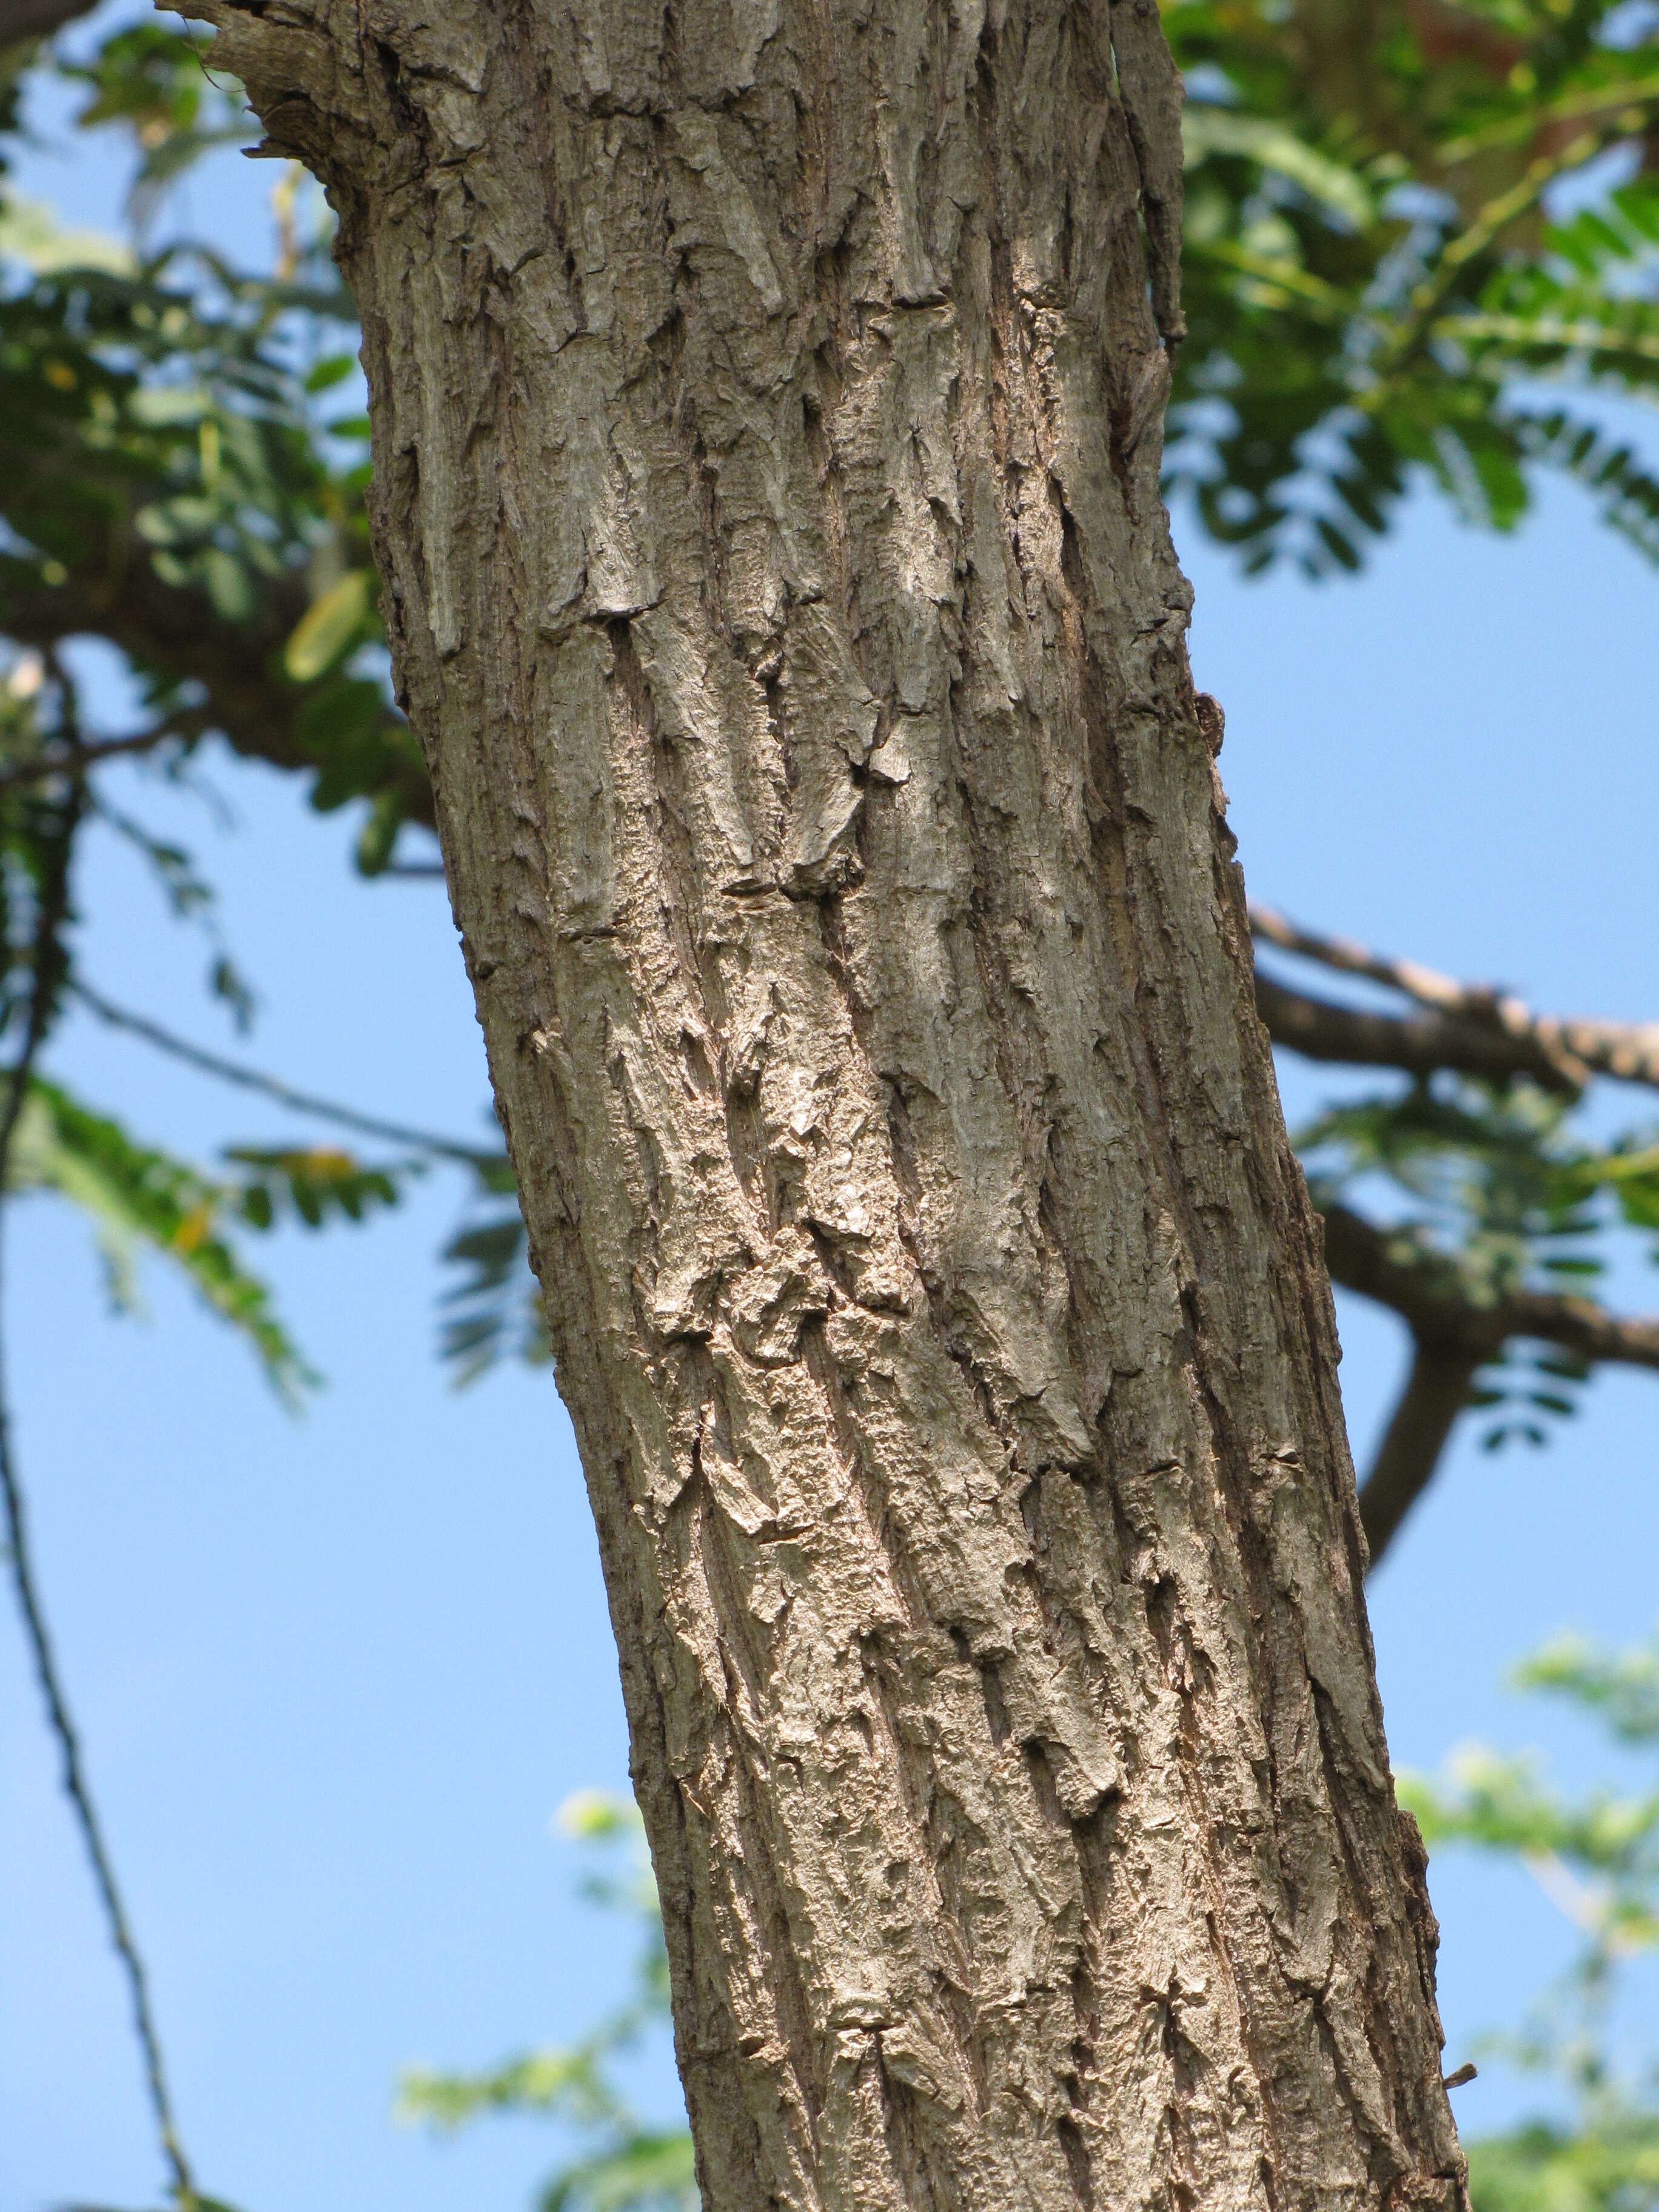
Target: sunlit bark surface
[{"x": 767, "y": 402}]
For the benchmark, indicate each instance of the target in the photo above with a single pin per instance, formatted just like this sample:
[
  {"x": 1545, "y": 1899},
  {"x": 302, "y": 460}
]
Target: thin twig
[
  {"x": 271, "y": 1087},
  {"x": 49, "y": 974},
  {"x": 73, "y": 759},
  {"x": 1581, "y": 337},
  {"x": 74, "y": 1786},
  {"x": 48, "y": 965},
  {"x": 1606, "y": 99}
]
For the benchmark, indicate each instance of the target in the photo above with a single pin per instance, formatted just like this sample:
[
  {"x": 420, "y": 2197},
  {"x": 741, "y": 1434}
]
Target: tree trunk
[{"x": 766, "y": 401}]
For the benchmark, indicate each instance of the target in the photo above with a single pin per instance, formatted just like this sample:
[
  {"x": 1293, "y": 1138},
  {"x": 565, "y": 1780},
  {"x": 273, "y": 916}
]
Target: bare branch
[
  {"x": 1476, "y": 1020},
  {"x": 1422, "y": 984},
  {"x": 1321, "y": 1029},
  {"x": 1454, "y": 1334},
  {"x": 1426, "y": 1292},
  {"x": 92, "y": 1835},
  {"x": 1436, "y": 1389}
]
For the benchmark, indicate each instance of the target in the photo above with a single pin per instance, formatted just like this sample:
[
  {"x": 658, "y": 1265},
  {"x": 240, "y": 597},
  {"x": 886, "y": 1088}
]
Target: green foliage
[
  {"x": 1597, "y": 1857},
  {"x": 315, "y": 1181},
  {"x": 138, "y": 1197},
  {"x": 330, "y": 627},
  {"x": 624, "y": 2164},
  {"x": 1611, "y": 2166},
  {"x": 1379, "y": 283},
  {"x": 164, "y": 421},
  {"x": 1375, "y": 288},
  {"x": 141, "y": 1198},
  {"x": 1620, "y": 1688},
  {"x": 1491, "y": 1188},
  {"x": 650, "y": 2172},
  {"x": 1498, "y": 1185},
  {"x": 154, "y": 80},
  {"x": 1503, "y": 1805},
  {"x": 495, "y": 1311}
]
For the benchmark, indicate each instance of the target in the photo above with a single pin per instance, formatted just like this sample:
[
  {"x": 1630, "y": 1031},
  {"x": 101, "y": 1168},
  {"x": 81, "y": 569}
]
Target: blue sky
[{"x": 334, "y": 1675}]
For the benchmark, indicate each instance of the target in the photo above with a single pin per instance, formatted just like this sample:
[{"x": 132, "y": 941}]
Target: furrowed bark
[{"x": 767, "y": 407}]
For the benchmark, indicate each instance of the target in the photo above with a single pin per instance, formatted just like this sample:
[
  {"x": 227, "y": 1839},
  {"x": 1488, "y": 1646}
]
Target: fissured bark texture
[{"x": 766, "y": 400}]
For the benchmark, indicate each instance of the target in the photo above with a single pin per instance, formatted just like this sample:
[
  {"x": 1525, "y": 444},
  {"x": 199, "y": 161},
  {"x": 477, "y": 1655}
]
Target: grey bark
[{"x": 767, "y": 402}]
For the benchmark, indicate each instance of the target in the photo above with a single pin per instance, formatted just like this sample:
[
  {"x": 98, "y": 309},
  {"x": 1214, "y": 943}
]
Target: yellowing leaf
[
  {"x": 192, "y": 1229},
  {"x": 328, "y": 627}
]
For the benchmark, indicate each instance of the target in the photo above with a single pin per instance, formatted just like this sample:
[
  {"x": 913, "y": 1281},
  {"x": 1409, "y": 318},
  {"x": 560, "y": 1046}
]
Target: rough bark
[{"x": 767, "y": 404}]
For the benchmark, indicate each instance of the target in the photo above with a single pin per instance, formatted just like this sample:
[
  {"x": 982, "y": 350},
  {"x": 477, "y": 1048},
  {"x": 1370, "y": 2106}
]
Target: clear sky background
[{"x": 335, "y": 1674}]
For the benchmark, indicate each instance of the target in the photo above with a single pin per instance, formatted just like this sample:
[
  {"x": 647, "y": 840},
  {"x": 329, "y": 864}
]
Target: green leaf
[
  {"x": 316, "y": 1182},
  {"x": 566, "y": 2083},
  {"x": 1621, "y": 1688},
  {"x": 600, "y": 1816},
  {"x": 31, "y": 234},
  {"x": 625, "y": 2166},
  {"x": 1272, "y": 144},
  {"x": 1611, "y": 2166},
  {"x": 496, "y": 1308},
  {"x": 137, "y": 1196},
  {"x": 333, "y": 371},
  {"x": 647, "y": 2172}
]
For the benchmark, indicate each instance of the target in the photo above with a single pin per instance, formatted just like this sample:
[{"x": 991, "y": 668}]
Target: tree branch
[
  {"x": 71, "y": 760},
  {"x": 1480, "y": 1030},
  {"x": 1454, "y": 1335},
  {"x": 1436, "y": 1389},
  {"x": 76, "y": 1788},
  {"x": 1319, "y": 1029},
  {"x": 116, "y": 593},
  {"x": 1427, "y": 1294}
]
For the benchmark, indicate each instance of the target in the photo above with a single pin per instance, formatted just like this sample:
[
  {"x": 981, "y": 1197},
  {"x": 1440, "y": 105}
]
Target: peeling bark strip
[{"x": 766, "y": 401}]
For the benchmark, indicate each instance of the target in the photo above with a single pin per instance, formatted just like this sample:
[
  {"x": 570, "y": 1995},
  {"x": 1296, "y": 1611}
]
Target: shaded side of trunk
[{"x": 766, "y": 401}]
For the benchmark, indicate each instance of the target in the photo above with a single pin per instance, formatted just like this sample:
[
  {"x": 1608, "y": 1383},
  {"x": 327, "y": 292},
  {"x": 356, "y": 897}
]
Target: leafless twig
[
  {"x": 74, "y": 760},
  {"x": 271, "y": 1087},
  {"x": 54, "y": 901}
]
